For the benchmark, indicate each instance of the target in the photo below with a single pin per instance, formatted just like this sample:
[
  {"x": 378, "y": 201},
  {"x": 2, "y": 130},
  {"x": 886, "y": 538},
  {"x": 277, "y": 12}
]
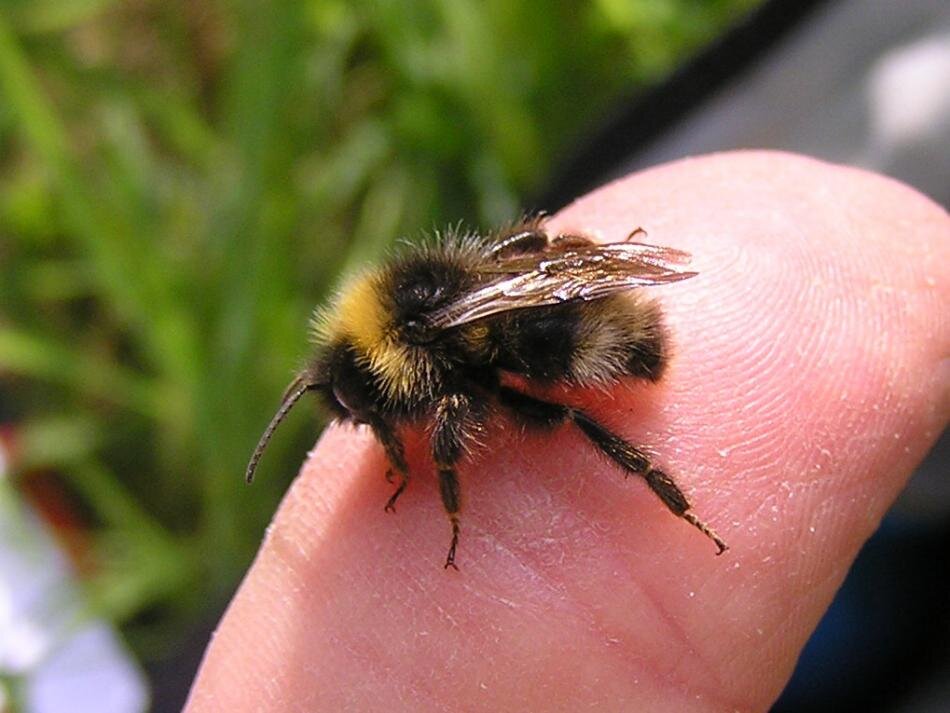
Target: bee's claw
[
  {"x": 450, "y": 557},
  {"x": 390, "y": 476}
]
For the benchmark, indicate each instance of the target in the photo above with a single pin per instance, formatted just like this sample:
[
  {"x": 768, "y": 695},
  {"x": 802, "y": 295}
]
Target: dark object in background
[
  {"x": 647, "y": 117},
  {"x": 860, "y": 82},
  {"x": 867, "y": 83},
  {"x": 884, "y": 644}
]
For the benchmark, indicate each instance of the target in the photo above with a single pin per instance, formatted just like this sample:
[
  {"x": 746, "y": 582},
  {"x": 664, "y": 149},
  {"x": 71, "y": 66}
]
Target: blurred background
[{"x": 181, "y": 183}]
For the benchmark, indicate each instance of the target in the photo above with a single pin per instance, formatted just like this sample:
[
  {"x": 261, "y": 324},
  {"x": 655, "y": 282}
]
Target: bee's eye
[{"x": 341, "y": 396}]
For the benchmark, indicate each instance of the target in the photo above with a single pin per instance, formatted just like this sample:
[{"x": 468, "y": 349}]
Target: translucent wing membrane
[{"x": 586, "y": 272}]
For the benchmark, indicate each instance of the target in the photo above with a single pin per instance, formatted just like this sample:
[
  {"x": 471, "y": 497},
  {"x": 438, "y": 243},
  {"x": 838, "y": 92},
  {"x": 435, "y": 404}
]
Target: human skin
[{"x": 810, "y": 373}]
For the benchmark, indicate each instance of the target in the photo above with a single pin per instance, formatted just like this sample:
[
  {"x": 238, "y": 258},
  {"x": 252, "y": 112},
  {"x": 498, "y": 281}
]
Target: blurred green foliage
[{"x": 181, "y": 182}]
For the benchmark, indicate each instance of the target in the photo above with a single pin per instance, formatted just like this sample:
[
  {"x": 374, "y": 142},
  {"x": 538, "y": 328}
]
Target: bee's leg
[
  {"x": 386, "y": 435},
  {"x": 633, "y": 460},
  {"x": 525, "y": 237},
  {"x": 637, "y": 232},
  {"x": 451, "y": 497},
  {"x": 403, "y": 482},
  {"x": 624, "y": 454},
  {"x": 571, "y": 240},
  {"x": 529, "y": 236},
  {"x": 578, "y": 240},
  {"x": 455, "y": 422}
]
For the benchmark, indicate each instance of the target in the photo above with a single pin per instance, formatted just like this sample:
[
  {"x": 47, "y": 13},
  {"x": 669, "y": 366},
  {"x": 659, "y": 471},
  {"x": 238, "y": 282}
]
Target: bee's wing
[{"x": 577, "y": 273}]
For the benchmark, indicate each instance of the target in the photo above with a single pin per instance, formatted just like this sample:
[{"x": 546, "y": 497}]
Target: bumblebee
[{"x": 427, "y": 339}]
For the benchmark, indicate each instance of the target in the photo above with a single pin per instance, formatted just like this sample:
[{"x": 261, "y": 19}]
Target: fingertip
[{"x": 799, "y": 354}]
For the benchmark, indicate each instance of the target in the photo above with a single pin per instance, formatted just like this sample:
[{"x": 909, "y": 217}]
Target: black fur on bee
[{"x": 426, "y": 338}]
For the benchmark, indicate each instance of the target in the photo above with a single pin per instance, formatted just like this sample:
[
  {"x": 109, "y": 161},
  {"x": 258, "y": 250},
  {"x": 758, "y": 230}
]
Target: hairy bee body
[
  {"x": 427, "y": 337},
  {"x": 375, "y": 342}
]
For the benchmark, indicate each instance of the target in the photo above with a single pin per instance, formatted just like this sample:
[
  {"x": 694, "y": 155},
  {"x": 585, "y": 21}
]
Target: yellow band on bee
[{"x": 360, "y": 318}]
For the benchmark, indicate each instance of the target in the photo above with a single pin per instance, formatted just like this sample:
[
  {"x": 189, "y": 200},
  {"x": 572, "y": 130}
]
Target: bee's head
[{"x": 370, "y": 349}]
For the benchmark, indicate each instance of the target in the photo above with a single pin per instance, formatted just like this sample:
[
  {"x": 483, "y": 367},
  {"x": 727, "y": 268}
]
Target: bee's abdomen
[
  {"x": 583, "y": 342},
  {"x": 539, "y": 343}
]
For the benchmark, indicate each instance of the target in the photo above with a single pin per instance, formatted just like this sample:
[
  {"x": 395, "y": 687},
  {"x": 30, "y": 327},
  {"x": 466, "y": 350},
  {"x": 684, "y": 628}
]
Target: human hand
[{"x": 810, "y": 374}]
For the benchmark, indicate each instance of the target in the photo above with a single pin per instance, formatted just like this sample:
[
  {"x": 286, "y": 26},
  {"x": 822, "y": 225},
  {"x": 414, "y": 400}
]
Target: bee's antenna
[{"x": 298, "y": 387}]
